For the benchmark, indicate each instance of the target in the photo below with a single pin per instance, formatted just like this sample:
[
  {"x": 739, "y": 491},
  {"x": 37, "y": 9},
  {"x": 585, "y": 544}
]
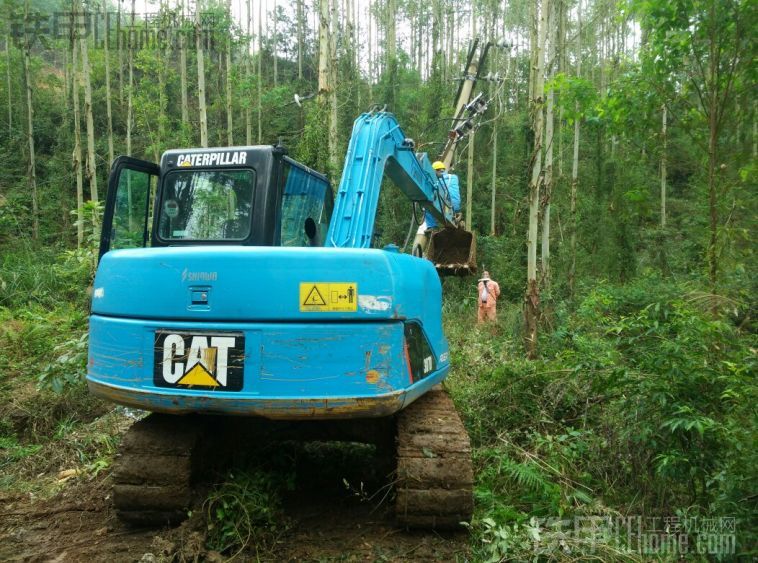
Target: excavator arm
[{"x": 378, "y": 146}]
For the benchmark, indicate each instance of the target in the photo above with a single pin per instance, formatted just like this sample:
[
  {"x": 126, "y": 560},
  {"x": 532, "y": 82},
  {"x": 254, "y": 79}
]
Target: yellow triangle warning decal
[
  {"x": 314, "y": 297},
  {"x": 198, "y": 375}
]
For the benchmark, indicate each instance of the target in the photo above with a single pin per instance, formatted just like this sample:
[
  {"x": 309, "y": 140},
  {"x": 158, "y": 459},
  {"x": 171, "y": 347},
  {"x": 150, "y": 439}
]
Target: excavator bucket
[{"x": 453, "y": 251}]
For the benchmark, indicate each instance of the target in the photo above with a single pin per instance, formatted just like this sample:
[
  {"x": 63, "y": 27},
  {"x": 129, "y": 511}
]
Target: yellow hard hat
[{"x": 439, "y": 165}]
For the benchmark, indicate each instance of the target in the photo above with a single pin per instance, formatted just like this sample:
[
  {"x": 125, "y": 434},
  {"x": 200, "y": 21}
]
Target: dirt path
[
  {"x": 78, "y": 524},
  {"x": 75, "y": 525}
]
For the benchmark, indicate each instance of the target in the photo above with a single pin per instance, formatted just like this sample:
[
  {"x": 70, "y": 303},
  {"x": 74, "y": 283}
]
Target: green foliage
[
  {"x": 313, "y": 149},
  {"x": 69, "y": 365},
  {"x": 576, "y": 96},
  {"x": 244, "y": 511},
  {"x": 499, "y": 542},
  {"x": 643, "y": 403},
  {"x": 43, "y": 316}
]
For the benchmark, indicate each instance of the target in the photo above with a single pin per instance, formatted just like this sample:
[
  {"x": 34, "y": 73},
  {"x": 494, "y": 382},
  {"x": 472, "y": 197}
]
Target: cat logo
[{"x": 199, "y": 361}]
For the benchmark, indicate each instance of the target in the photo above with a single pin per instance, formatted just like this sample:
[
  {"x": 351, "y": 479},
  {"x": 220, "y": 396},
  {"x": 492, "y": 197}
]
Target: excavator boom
[{"x": 378, "y": 146}]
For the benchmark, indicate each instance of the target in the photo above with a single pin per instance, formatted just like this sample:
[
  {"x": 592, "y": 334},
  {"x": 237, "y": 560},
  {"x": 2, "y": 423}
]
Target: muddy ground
[{"x": 327, "y": 516}]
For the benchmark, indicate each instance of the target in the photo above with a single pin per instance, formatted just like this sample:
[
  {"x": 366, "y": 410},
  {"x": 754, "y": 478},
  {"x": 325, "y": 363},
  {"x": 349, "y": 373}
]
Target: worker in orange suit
[{"x": 488, "y": 291}]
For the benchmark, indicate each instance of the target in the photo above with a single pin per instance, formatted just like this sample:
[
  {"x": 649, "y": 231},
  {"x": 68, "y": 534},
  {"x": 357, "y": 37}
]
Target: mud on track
[{"x": 326, "y": 522}]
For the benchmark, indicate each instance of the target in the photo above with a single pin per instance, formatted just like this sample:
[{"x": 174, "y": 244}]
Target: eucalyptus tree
[
  {"x": 8, "y": 82},
  {"x": 76, "y": 155},
  {"x": 532, "y": 297},
  {"x": 91, "y": 169},
  {"x": 183, "y": 85},
  {"x": 108, "y": 104},
  {"x": 700, "y": 53},
  {"x": 28, "y": 87},
  {"x": 228, "y": 71},
  {"x": 200, "y": 53},
  {"x": 549, "y": 143}
]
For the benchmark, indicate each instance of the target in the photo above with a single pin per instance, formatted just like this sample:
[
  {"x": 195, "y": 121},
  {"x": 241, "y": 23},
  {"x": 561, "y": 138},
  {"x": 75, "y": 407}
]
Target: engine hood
[{"x": 243, "y": 283}]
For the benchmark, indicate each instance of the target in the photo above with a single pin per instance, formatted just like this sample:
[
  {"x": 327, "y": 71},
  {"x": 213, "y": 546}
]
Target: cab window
[
  {"x": 306, "y": 207},
  {"x": 206, "y": 205},
  {"x": 133, "y": 197}
]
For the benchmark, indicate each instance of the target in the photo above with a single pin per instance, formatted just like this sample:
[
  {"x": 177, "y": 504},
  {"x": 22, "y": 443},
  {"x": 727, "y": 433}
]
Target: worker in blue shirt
[
  {"x": 449, "y": 181},
  {"x": 453, "y": 188}
]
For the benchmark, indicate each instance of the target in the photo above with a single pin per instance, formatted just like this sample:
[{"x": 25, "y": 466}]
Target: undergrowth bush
[
  {"x": 51, "y": 276},
  {"x": 245, "y": 511},
  {"x": 48, "y": 345},
  {"x": 643, "y": 403}
]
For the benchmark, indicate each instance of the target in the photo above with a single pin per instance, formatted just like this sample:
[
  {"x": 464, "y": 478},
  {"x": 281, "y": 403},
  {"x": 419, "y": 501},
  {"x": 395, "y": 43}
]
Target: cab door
[{"x": 127, "y": 220}]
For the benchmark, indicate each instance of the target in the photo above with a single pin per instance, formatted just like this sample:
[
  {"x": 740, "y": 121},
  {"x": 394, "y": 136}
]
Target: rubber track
[
  {"x": 153, "y": 473},
  {"x": 434, "y": 471}
]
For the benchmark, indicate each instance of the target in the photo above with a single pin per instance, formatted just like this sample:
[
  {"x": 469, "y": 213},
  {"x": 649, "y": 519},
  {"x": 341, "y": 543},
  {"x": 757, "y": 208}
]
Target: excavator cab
[{"x": 251, "y": 196}]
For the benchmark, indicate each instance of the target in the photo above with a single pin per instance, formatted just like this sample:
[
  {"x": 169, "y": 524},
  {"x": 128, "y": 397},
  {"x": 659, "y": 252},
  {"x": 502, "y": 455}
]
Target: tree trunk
[
  {"x": 323, "y": 51},
  {"x": 8, "y": 80},
  {"x": 755, "y": 131},
  {"x": 561, "y": 48},
  {"x": 273, "y": 48},
  {"x": 76, "y": 157},
  {"x": 663, "y": 167},
  {"x": 493, "y": 87},
  {"x": 120, "y": 59},
  {"x": 130, "y": 87},
  {"x": 470, "y": 181},
  {"x": 712, "y": 205},
  {"x": 533, "y": 25},
  {"x": 108, "y": 105},
  {"x": 163, "y": 61},
  {"x": 32, "y": 169},
  {"x": 450, "y": 37},
  {"x": 391, "y": 46},
  {"x": 494, "y": 178},
  {"x": 183, "y": 73},
  {"x": 91, "y": 171},
  {"x": 300, "y": 39},
  {"x": 260, "y": 72},
  {"x": 532, "y": 308},
  {"x": 370, "y": 53},
  {"x": 228, "y": 65},
  {"x": 334, "y": 159},
  {"x": 351, "y": 40},
  {"x": 549, "y": 128},
  {"x": 248, "y": 113},
  {"x": 713, "y": 127},
  {"x": 201, "y": 78},
  {"x": 575, "y": 163}
]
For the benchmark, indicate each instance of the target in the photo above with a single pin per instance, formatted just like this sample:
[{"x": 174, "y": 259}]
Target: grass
[{"x": 45, "y": 428}]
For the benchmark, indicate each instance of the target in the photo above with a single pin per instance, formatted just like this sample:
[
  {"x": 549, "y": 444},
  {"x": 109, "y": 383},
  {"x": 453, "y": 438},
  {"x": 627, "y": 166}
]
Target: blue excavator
[{"x": 235, "y": 298}]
